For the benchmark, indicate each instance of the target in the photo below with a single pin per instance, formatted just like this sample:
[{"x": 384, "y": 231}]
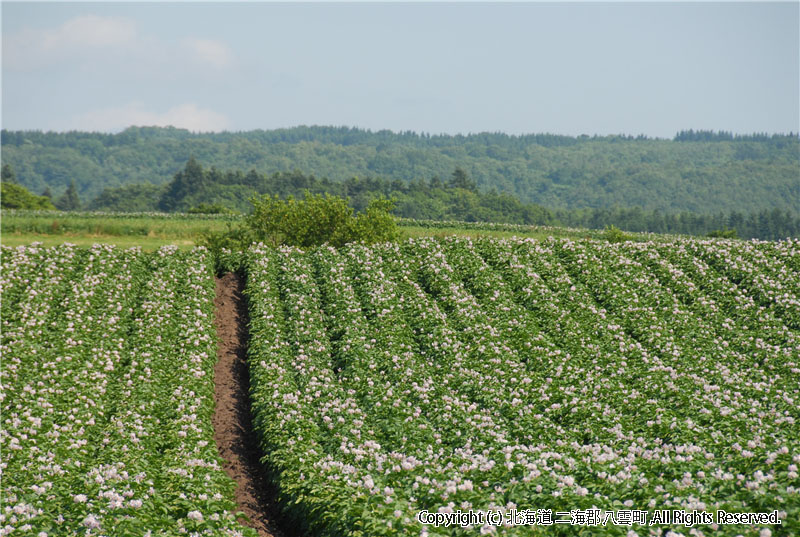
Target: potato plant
[
  {"x": 453, "y": 374},
  {"x": 107, "y": 394}
]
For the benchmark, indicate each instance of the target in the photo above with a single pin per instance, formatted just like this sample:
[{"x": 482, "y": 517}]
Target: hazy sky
[{"x": 567, "y": 68}]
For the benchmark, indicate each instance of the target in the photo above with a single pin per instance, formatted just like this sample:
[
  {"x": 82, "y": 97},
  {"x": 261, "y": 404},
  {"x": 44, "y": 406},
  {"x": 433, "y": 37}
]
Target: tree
[
  {"x": 460, "y": 179},
  {"x": 7, "y": 175},
  {"x": 70, "y": 200},
  {"x": 14, "y": 196},
  {"x": 185, "y": 182},
  {"x": 130, "y": 198}
]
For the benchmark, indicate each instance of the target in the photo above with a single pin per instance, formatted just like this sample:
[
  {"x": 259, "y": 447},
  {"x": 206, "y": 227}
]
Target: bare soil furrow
[{"x": 233, "y": 431}]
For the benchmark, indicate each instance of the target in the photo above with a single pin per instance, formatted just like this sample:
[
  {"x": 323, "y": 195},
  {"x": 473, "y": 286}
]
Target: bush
[
  {"x": 312, "y": 221},
  {"x": 614, "y": 234},
  {"x": 208, "y": 208},
  {"x": 304, "y": 223},
  {"x": 375, "y": 224},
  {"x": 724, "y": 233}
]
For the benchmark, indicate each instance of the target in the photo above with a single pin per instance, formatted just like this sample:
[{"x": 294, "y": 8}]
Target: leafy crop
[
  {"x": 431, "y": 374},
  {"x": 107, "y": 396},
  {"x": 500, "y": 374}
]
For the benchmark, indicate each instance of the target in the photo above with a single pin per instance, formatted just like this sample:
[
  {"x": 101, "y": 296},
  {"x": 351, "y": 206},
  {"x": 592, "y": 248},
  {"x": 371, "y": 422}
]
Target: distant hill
[{"x": 698, "y": 171}]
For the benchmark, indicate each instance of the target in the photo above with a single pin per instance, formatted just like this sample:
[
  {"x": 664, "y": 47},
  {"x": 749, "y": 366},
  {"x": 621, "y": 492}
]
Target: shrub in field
[
  {"x": 317, "y": 220},
  {"x": 614, "y": 234},
  {"x": 306, "y": 223},
  {"x": 309, "y": 222},
  {"x": 724, "y": 233},
  {"x": 210, "y": 208}
]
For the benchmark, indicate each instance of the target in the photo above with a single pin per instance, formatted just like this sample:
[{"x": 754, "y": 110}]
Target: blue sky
[{"x": 567, "y": 68}]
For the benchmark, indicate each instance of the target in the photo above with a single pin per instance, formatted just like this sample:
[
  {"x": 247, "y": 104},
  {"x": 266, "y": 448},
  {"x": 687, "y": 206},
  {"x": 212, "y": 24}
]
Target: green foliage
[
  {"x": 196, "y": 189},
  {"x": 306, "y": 223},
  {"x": 14, "y": 196},
  {"x": 222, "y": 243},
  {"x": 150, "y": 228},
  {"x": 210, "y": 208},
  {"x": 7, "y": 174},
  {"x": 433, "y": 200},
  {"x": 724, "y": 136},
  {"x": 189, "y": 180},
  {"x": 116, "y": 303},
  {"x": 460, "y": 179},
  {"x": 319, "y": 219},
  {"x": 142, "y": 197},
  {"x": 724, "y": 233},
  {"x": 529, "y": 335},
  {"x": 613, "y": 234},
  {"x": 70, "y": 200},
  {"x": 695, "y": 172},
  {"x": 375, "y": 224}
]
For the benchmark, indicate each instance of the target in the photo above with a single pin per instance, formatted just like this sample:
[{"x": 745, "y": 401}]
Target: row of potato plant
[
  {"x": 107, "y": 394},
  {"x": 447, "y": 374}
]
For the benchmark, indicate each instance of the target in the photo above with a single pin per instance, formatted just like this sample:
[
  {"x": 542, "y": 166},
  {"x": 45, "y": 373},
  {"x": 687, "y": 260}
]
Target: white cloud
[
  {"x": 208, "y": 51},
  {"x": 185, "y": 116},
  {"x": 92, "y": 31},
  {"x": 91, "y": 40},
  {"x": 77, "y": 37}
]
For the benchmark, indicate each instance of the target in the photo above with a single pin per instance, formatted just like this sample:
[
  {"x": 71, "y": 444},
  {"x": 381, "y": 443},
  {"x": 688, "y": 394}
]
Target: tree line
[
  {"x": 454, "y": 197},
  {"x": 698, "y": 171},
  {"x": 692, "y": 135}
]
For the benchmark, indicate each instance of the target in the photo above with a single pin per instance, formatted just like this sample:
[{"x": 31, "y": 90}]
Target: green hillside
[{"x": 700, "y": 172}]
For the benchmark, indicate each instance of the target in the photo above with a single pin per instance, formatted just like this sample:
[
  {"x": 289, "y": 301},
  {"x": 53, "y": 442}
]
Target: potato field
[
  {"x": 106, "y": 405},
  {"x": 541, "y": 387}
]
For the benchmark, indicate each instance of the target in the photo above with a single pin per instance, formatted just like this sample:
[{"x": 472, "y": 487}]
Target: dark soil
[{"x": 233, "y": 428}]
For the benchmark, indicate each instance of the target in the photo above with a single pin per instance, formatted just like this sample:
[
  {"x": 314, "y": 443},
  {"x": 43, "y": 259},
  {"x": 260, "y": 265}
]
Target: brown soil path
[{"x": 233, "y": 430}]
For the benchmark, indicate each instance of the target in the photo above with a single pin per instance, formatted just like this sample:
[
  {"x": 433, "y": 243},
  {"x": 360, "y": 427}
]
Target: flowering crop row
[
  {"x": 454, "y": 374},
  {"x": 107, "y": 394}
]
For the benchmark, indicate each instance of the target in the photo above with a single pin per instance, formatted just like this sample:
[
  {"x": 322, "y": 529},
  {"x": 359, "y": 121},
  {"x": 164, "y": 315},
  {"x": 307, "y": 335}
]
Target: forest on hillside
[{"x": 701, "y": 172}]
